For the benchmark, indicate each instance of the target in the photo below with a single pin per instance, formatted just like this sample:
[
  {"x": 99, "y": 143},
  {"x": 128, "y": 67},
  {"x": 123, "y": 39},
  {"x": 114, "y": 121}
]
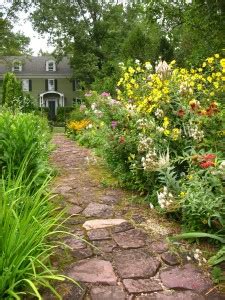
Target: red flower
[
  {"x": 181, "y": 112},
  {"x": 209, "y": 156},
  {"x": 213, "y": 105},
  {"x": 206, "y": 164},
  {"x": 122, "y": 140}
]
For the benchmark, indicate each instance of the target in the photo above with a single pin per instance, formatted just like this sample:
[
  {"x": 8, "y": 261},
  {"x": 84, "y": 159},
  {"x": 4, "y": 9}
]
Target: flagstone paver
[
  {"x": 133, "y": 238},
  {"x": 128, "y": 263},
  {"x": 98, "y": 210},
  {"x": 93, "y": 271},
  {"x": 108, "y": 293},
  {"x": 185, "y": 277}
]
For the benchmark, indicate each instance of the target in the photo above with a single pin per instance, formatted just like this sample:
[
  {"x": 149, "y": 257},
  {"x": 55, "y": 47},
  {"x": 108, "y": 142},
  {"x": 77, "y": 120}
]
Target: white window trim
[
  {"x": 47, "y": 66},
  {"x": 52, "y": 86},
  {"x": 18, "y": 66},
  {"x": 25, "y": 85}
]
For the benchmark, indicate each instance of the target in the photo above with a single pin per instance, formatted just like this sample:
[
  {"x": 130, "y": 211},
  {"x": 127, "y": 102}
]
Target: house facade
[{"x": 46, "y": 80}]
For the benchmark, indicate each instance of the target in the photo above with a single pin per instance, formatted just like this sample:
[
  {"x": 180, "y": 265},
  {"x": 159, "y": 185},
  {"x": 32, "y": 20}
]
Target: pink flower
[
  {"x": 105, "y": 94},
  {"x": 114, "y": 124}
]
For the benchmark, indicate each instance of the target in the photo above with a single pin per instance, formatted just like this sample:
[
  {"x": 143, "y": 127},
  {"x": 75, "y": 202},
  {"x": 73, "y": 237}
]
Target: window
[
  {"x": 50, "y": 66},
  {"x": 25, "y": 85},
  {"x": 17, "y": 66},
  {"x": 51, "y": 84}
]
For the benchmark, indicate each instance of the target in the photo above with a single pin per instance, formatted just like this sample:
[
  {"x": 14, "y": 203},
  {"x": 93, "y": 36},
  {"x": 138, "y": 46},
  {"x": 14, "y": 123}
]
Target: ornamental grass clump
[{"x": 27, "y": 220}]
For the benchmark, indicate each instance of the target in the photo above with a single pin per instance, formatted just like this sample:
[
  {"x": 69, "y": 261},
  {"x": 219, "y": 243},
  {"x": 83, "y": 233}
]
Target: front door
[{"x": 51, "y": 106}]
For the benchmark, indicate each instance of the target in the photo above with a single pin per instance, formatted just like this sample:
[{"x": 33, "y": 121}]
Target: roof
[{"x": 35, "y": 65}]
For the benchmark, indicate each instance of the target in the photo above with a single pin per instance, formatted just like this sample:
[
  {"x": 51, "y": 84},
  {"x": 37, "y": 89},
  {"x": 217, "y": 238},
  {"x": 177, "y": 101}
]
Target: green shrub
[
  {"x": 63, "y": 113},
  {"x": 23, "y": 136}
]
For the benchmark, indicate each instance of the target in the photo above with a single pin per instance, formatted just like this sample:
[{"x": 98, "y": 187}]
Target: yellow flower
[
  {"x": 210, "y": 60},
  {"x": 217, "y": 55},
  {"x": 175, "y": 133},
  {"x": 222, "y": 62},
  {"x": 199, "y": 87},
  {"x": 166, "y": 122},
  {"x": 216, "y": 84},
  {"x": 182, "y": 194},
  {"x": 131, "y": 70},
  {"x": 209, "y": 78},
  {"x": 204, "y": 65},
  {"x": 166, "y": 132},
  {"x": 78, "y": 125}
]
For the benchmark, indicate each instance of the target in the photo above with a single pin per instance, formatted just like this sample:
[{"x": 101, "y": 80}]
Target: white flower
[
  {"x": 93, "y": 106},
  {"x": 151, "y": 206},
  {"x": 196, "y": 256},
  {"x": 137, "y": 61},
  {"x": 159, "y": 113},
  {"x": 222, "y": 165},
  {"x": 188, "y": 258},
  {"x": 148, "y": 65}
]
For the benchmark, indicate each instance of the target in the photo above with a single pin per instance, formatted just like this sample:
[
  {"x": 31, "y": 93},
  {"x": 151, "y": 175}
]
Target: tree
[
  {"x": 11, "y": 43},
  {"x": 97, "y": 35},
  {"x": 12, "y": 92}
]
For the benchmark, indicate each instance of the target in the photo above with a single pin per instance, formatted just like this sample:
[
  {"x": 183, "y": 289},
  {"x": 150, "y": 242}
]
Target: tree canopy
[
  {"x": 98, "y": 34},
  {"x": 11, "y": 43}
]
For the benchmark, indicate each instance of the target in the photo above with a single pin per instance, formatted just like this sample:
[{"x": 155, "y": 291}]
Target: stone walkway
[{"x": 125, "y": 262}]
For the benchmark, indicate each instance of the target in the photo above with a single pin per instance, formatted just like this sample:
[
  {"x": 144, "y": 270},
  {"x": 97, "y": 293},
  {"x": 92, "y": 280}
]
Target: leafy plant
[
  {"x": 24, "y": 135},
  {"x": 27, "y": 220}
]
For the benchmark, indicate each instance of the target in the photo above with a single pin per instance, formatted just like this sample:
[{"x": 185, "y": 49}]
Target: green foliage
[
  {"x": 13, "y": 96},
  {"x": 12, "y": 91},
  {"x": 11, "y": 43},
  {"x": 26, "y": 221},
  {"x": 63, "y": 113},
  {"x": 203, "y": 206},
  {"x": 23, "y": 136}
]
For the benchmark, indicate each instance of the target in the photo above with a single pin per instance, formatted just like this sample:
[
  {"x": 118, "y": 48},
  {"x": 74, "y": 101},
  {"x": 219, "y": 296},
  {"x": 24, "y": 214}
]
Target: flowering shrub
[{"x": 163, "y": 136}]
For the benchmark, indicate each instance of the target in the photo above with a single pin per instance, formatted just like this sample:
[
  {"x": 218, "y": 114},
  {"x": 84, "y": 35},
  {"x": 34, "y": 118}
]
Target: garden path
[{"x": 131, "y": 258}]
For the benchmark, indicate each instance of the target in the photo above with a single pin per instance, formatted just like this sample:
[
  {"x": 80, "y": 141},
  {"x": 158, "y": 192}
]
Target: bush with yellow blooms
[{"x": 164, "y": 135}]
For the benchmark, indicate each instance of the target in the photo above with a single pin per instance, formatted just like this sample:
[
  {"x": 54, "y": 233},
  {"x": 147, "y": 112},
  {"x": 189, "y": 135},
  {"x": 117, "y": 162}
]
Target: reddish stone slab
[
  {"x": 93, "y": 271},
  {"x": 79, "y": 248},
  {"x": 106, "y": 246},
  {"x": 122, "y": 227},
  {"x": 133, "y": 238},
  {"x": 158, "y": 247},
  {"x": 186, "y": 277},
  {"x": 75, "y": 209},
  {"x": 172, "y": 295},
  {"x": 142, "y": 285},
  {"x": 98, "y": 234},
  {"x": 135, "y": 263},
  {"x": 98, "y": 210},
  {"x": 170, "y": 258},
  {"x": 107, "y": 293},
  {"x": 109, "y": 199},
  {"x": 62, "y": 189}
]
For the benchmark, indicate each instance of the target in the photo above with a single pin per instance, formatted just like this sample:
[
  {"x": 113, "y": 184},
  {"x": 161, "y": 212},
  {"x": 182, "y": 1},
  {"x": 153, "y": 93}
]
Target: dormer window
[
  {"x": 50, "y": 66},
  {"x": 17, "y": 66}
]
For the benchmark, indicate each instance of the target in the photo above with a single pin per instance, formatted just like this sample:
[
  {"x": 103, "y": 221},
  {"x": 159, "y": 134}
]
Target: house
[{"x": 46, "y": 80}]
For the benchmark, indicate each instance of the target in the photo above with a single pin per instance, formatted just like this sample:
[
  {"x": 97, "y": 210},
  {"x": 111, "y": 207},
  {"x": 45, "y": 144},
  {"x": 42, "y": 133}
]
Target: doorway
[{"x": 51, "y": 106}]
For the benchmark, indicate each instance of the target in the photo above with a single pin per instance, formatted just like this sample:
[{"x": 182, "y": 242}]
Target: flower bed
[{"x": 164, "y": 137}]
